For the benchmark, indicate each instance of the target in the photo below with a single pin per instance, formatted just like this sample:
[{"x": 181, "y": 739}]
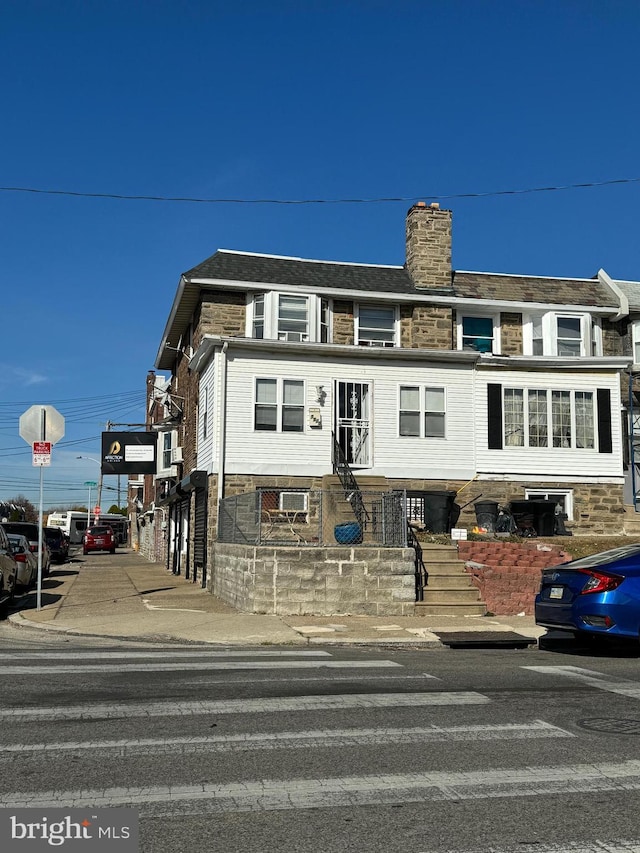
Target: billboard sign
[{"x": 129, "y": 452}]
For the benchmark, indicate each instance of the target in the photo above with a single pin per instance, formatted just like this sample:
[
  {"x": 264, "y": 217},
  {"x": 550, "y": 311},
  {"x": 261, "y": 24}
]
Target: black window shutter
[
  {"x": 494, "y": 410},
  {"x": 604, "y": 420}
]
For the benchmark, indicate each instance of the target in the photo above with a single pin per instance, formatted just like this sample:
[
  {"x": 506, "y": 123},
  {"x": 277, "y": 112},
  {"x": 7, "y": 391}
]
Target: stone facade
[
  {"x": 511, "y": 334},
  {"x": 221, "y": 313},
  {"x": 426, "y": 327},
  {"x": 428, "y": 233},
  {"x": 343, "y": 329},
  {"x": 314, "y": 581}
]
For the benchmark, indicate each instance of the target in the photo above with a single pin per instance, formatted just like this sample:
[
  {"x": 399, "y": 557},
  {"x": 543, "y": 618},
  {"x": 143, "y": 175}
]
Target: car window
[{"x": 99, "y": 531}]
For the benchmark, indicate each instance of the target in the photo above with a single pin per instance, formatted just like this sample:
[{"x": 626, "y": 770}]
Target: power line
[{"x": 381, "y": 200}]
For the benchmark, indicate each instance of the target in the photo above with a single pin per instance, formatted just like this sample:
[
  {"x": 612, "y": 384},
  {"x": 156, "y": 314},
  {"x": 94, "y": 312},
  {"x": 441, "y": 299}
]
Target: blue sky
[{"x": 282, "y": 100}]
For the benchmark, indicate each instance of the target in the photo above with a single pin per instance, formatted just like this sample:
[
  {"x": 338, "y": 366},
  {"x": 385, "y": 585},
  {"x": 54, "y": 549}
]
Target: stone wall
[
  {"x": 426, "y": 327},
  {"x": 221, "y": 313},
  {"x": 598, "y": 508},
  {"x": 511, "y": 334},
  {"x": 314, "y": 581},
  {"x": 343, "y": 330},
  {"x": 508, "y": 573}
]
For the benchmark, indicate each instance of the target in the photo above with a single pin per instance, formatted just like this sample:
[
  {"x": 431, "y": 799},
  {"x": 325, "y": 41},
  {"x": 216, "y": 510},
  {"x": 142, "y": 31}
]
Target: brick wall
[
  {"x": 314, "y": 581},
  {"x": 508, "y": 574}
]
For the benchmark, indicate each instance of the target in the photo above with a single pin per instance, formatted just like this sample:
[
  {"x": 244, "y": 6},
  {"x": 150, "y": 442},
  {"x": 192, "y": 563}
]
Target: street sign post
[{"x": 41, "y": 427}]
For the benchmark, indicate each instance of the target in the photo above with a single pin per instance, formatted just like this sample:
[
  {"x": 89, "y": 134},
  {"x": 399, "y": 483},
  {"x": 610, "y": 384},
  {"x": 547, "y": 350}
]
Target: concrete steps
[{"x": 450, "y": 591}]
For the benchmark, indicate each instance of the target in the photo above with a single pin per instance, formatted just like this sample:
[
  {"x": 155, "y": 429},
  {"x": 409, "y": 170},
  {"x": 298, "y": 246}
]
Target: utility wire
[{"x": 121, "y": 197}]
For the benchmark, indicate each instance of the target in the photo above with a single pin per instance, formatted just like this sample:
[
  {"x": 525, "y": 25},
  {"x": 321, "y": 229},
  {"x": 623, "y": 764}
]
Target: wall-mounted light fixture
[{"x": 321, "y": 394}]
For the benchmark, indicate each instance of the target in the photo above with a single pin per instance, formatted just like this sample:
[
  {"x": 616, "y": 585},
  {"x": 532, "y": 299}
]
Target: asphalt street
[{"x": 328, "y": 749}]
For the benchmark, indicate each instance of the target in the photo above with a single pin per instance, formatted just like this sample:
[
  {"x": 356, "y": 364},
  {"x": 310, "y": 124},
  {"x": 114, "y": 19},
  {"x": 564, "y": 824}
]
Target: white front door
[{"x": 353, "y": 422}]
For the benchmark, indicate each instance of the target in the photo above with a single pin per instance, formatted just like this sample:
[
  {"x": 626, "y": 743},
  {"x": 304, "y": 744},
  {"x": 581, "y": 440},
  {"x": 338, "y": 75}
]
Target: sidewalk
[{"x": 126, "y": 597}]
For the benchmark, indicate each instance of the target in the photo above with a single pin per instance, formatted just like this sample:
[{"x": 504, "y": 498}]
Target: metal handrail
[
  {"x": 349, "y": 483},
  {"x": 421, "y": 574}
]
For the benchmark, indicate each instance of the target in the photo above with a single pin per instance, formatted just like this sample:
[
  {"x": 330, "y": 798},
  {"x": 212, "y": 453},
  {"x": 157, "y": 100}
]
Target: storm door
[{"x": 353, "y": 424}]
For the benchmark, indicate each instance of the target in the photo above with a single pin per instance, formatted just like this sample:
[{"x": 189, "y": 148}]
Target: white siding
[
  {"x": 207, "y": 460},
  {"x": 549, "y": 462},
  {"x": 309, "y": 453}
]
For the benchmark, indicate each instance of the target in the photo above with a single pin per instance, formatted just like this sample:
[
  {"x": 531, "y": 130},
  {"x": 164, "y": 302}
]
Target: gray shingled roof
[
  {"x": 265, "y": 269},
  {"x": 631, "y": 290},
  {"x": 233, "y": 266}
]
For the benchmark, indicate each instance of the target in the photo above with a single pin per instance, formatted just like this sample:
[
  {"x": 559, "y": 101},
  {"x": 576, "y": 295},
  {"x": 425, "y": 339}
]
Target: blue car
[{"x": 597, "y": 595}]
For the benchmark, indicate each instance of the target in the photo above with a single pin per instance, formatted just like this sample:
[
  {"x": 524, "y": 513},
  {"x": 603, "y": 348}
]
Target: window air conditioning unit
[{"x": 176, "y": 455}]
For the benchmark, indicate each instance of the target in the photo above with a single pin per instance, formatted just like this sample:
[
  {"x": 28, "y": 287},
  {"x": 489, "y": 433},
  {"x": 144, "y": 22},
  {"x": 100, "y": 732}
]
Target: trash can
[
  {"x": 437, "y": 510},
  {"x": 486, "y": 514}
]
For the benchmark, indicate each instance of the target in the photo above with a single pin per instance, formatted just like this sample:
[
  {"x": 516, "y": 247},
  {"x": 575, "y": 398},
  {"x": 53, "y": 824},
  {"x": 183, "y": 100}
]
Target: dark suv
[{"x": 57, "y": 542}]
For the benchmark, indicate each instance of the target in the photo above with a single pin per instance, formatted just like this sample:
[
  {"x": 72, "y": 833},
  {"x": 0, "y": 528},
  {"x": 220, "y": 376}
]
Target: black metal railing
[
  {"x": 421, "y": 574},
  {"x": 349, "y": 484}
]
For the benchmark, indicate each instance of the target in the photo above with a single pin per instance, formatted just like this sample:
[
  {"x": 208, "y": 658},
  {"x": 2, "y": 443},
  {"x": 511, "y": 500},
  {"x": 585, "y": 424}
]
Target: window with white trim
[
  {"x": 549, "y": 418},
  {"x": 279, "y": 405},
  {"x": 376, "y": 325},
  {"x": 422, "y": 411},
  {"x": 563, "y": 335},
  {"x": 288, "y": 317},
  {"x": 478, "y": 332},
  {"x": 562, "y": 497}
]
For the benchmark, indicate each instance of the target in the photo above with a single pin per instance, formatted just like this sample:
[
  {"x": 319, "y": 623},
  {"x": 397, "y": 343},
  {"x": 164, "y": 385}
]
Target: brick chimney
[{"x": 429, "y": 246}]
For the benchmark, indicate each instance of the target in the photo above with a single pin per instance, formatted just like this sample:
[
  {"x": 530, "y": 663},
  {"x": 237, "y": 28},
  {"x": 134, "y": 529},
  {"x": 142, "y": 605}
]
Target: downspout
[{"x": 223, "y": 420}]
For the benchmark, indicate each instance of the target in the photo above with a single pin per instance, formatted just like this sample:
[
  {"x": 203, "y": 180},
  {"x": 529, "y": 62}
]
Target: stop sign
[{"x": 41, "y": 423}]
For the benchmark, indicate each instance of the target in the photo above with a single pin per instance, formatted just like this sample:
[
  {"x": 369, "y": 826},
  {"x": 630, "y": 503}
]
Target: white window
[
  {"x": 168, "y": 440},
  {"x": 293, "y": 318},
  {"x": 544, "y": 418},
  {"x": 562, "y": 497},
  {"x": 562, "y": 335},
  {"x": 288, "y": 317},
  {"x": 376, "y": 326},
  {"x": 422, "y": 411},
  {"x": 279, "y": 405},
  {"x": 480, "y": 333}
]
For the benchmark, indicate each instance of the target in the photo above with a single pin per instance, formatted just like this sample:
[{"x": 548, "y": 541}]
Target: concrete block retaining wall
[
  {"x": 508, "y": 573},
  {"x": 314, "y": 581}
]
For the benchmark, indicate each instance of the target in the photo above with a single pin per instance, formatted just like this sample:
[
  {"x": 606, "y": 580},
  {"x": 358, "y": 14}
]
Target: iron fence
[{"x": 314, "y": 517}]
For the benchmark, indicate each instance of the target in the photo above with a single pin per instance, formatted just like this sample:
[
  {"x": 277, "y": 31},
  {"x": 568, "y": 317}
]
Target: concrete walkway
[{"x": 124, "y": 596}]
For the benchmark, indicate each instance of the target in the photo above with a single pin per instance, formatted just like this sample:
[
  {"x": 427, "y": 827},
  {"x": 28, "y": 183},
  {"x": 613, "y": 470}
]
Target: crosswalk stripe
[
  {"x": 622, "y": 687},
  {"x": 209, "y": 666},
  {"x": 259, "y": 741},
  {"x": 346, "y": 791},
  {"x": 113, "y": 710},
  {"x": 179, "y": 654}
]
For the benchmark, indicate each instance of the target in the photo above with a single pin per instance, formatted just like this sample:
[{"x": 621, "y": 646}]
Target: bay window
[{"x": 288, "y": 317}]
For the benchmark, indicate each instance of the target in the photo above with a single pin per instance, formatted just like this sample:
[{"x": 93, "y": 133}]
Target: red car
[{"x": 99, "y": 538}]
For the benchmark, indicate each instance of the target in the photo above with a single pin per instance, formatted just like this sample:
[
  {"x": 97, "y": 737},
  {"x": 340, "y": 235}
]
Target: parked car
[
  {"x": 100, "y": 537},
  {"x": 8, "y": 568},
  {"x": 594, "y": 596},
  {"x": 57, "y": 542},
  {"x": 31, "y": 531},
  {"x": 26, "y": 560}
]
